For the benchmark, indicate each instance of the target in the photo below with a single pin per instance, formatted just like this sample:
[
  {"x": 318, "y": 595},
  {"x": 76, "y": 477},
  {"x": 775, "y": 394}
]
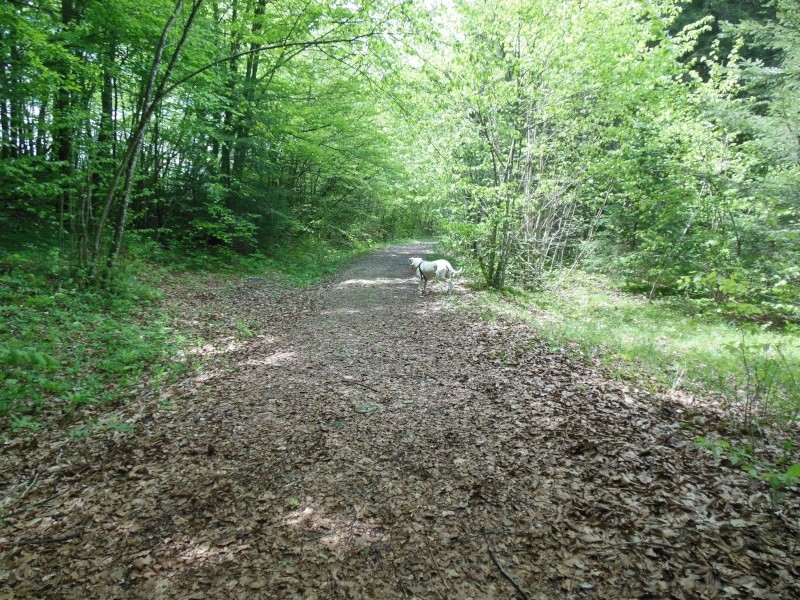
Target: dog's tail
[{"x": 458, "y": 271}]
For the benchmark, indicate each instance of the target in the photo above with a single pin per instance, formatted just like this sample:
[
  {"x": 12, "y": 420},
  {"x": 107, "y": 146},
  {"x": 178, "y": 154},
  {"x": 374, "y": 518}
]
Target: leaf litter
[{"x": 353, "y": 440}]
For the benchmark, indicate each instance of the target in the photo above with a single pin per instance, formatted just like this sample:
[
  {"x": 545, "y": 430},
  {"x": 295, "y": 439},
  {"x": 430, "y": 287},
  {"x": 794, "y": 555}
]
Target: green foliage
[
  {"x": 782, "y": 480},
  {"x": 304, "y": 261},
  {"x": 62, "y": 346},
  {"x": 301, "y": 152},
  {"x": 249, "y": 125},
  {"x": 311, "y": 260},
  {"x": 779, "y": 476},
  {"x": 243, "y": 330},
  {"x": 114, "y": 425},
  {"x": 617, "y": 153},
  {"x": 19, "y": 424},
  {"x": 767, "y": 388},
  {"x": 730, "y": 234},
  {"x": 18, "y": 357},
  {"x": 741, "y": 457},
  {"x": 111, "y": 424},
  {"x": 217, "y": 225},
  {"x": 654, "y": 139}
]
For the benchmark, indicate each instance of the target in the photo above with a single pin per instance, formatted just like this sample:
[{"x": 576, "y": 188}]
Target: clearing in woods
[{"x": 363, "y": 442}]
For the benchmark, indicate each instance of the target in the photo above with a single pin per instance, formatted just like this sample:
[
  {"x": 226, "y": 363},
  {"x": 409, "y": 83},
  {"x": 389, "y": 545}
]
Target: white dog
[{"x": 433, "y": 269}]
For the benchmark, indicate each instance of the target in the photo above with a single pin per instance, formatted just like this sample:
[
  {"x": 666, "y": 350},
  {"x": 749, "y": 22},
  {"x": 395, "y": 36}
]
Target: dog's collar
[{"x": 421, "y": 274}]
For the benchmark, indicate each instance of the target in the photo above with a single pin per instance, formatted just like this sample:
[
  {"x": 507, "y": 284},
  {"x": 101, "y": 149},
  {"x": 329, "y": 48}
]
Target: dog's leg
[{"x": 444, "y": 274}]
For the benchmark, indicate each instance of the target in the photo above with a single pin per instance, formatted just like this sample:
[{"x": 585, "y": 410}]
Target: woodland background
[
  {"x": 656, "y": 143},
  {"x": 659, "y": 137}
]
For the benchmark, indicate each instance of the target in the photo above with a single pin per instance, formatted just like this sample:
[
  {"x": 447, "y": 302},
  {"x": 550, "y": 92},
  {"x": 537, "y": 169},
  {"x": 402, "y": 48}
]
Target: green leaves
[
  {"x": 15, "y": 357},
  {"x": 62, "y": 347}
]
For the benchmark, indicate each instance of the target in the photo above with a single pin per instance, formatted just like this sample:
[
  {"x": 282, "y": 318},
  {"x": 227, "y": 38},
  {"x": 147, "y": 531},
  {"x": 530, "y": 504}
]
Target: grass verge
[
  {"x": 311, "y": 261},
  {"x": 302, "y": 262}
]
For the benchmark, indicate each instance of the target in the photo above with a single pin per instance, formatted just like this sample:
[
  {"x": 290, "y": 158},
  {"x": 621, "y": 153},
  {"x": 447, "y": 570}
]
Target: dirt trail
[{"x": 369, "y": 443}]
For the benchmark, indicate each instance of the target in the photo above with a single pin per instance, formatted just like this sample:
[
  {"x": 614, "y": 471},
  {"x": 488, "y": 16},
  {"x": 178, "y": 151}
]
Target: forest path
[{"x": 368, "y": 443}]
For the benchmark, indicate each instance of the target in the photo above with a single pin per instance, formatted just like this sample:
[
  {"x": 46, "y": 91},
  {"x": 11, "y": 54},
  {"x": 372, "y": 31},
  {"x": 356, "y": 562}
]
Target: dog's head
[{"x": 414, "y": 262}]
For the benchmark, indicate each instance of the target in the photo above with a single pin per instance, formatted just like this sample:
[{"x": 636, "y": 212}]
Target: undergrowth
[
  {"x": 312, "y": 260},
  {"x": 302, "y": 261},
  {"x": 63, "y": 346}
]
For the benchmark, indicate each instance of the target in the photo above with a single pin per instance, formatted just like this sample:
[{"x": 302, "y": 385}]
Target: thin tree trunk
[
  {"x": 123, "y": 214},
  {"x": 41, "y": 129},
  {"x": 105, "y": 136},
  {"x": 62, "y": 131},
  {"x": 5, "y": 121},
  {"x": 16, "y": 110},
  {"x": 148, "y": 104},
  {"x": 251, "y": 80},
  {"x": 229, "y": 140}
]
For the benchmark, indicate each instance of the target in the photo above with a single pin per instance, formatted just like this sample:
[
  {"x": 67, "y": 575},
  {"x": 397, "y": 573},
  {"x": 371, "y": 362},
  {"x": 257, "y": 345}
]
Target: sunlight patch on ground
[
  {"x": 230, "y": 345},
  {"x": 279, "y": 358},
  {"x": 202, "y": 551},
  {"x": 211, "y": 350},
  {"x": 335, "y": 531},
  {"x": 341, "y": 311},
  {"x": 426, "y": 310},
  {"x": 204, "y": 376},
  {"x": 371, "y": 282}
]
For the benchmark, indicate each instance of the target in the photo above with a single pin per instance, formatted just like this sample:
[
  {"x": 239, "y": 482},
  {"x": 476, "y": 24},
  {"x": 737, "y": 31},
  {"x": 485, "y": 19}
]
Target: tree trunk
[
  {"x": 122, "y": 216},
  {"x": 41, "y": 129},
  {"x": 229, "y": 137},
  {"x": 5, "y": 121},
  {"x": 106, "y": 136},
  {"x": 251, "y": 82},
  {"x": 62, "y": 130},
  {"x": 16, "y": 111},
  {"x": 134, "y": 143}
]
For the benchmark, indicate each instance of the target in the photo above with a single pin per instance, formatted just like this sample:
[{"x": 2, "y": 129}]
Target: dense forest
[{"x": 658, "y": 139}]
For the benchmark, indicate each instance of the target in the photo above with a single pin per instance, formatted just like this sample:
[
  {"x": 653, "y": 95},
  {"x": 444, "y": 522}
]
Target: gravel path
[{"x": 357, "y": 441}]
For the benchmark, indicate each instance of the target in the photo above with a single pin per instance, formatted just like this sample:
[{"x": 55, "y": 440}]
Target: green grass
[
  {"x": 671, "y": 340},
  {"x": 302, "y": 262},
  {"x": 63, "y": 346},
  {"x": 312, "y": 260}
]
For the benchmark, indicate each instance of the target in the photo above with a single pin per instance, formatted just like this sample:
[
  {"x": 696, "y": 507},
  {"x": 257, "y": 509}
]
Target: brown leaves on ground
[{"x": 354, "y": 440}]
